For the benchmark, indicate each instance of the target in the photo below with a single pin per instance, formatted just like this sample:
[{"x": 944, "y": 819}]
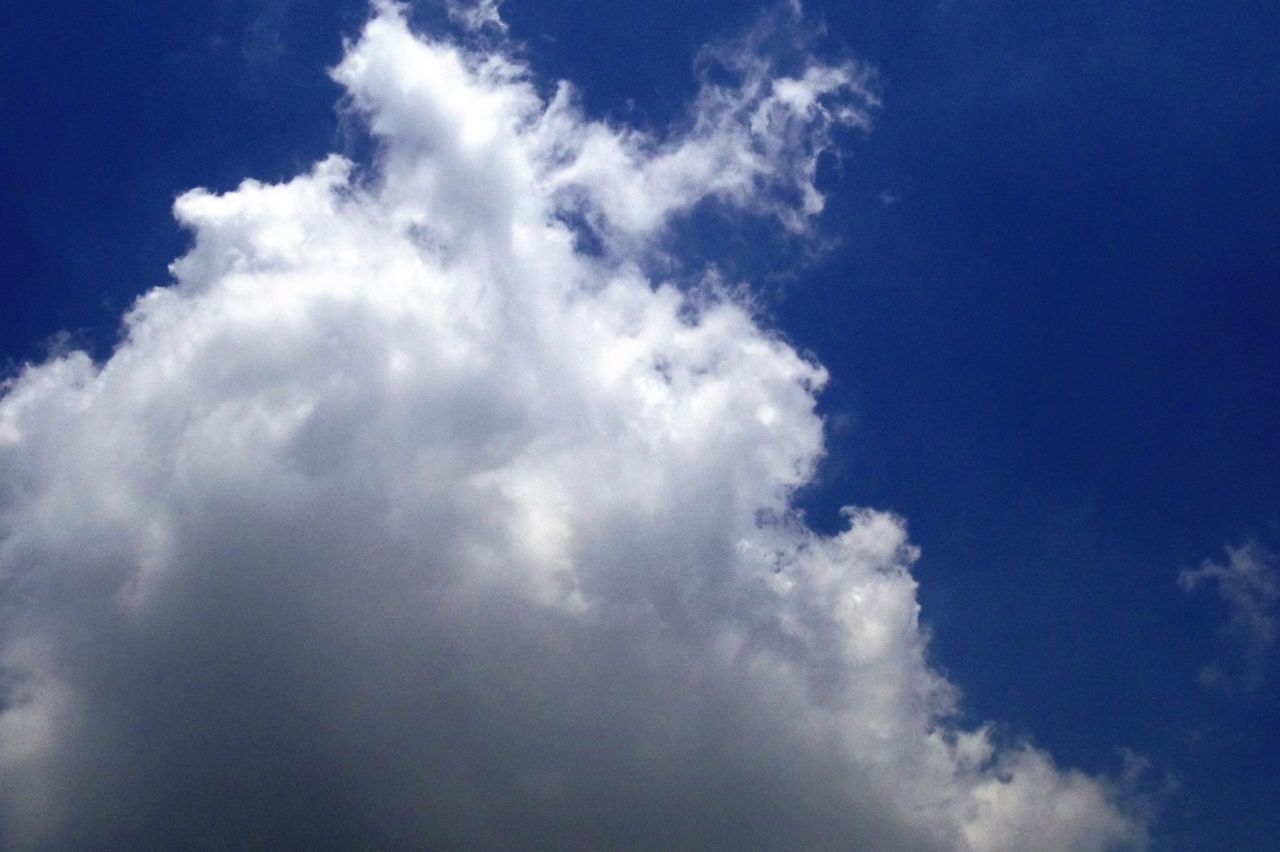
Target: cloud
[
  {"x": 1248, "y": 584},
  {"x": 477, "y": 14},
  {"x": 401, "y": 519}
]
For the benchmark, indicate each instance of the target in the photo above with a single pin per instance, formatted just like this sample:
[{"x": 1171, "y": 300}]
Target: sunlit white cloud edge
[{"x": 399, "y": 515}]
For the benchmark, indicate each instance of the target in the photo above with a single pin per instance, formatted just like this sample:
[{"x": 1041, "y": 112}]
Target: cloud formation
[
  {"x": 1250, "y": 588},
  {"x": 476, "y": 14},
  {"x": 402, "y": 519}
]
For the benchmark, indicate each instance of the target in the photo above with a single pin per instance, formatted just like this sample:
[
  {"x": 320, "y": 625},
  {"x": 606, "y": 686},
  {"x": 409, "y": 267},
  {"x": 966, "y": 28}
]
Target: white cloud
[
  {"x": 399, "y": 520},
  {"x": 1248, "y": 584},
  {"x": 477, "y": 14}
]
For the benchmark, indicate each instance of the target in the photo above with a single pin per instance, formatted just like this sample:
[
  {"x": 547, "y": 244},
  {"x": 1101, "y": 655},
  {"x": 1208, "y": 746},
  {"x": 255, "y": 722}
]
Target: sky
[{"x": 402, "y": 447}]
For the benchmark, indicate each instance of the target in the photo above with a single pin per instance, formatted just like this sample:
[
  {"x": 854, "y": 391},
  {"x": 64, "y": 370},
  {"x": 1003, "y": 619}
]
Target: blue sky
[{"x": 1044, "y": 287}]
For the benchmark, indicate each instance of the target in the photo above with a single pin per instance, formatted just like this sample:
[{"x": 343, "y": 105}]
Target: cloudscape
[{"x": 444, "y": 499}]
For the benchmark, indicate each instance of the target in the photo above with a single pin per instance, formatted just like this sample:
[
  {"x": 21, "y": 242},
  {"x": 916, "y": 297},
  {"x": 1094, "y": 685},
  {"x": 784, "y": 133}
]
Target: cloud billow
[{"x": 399, "y": 519}]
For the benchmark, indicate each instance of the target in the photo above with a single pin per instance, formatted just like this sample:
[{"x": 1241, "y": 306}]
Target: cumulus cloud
[
  {"x": 1250, "y": 588},
  {"x": 401, "y": 519}
]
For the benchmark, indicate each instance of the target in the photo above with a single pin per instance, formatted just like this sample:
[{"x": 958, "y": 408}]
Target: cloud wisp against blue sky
[{"x": 1250, "y": 588}]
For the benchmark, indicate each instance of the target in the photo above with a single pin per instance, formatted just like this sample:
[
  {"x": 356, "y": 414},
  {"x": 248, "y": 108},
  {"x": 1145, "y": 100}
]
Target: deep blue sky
[{"x": 1050, "y": 312}]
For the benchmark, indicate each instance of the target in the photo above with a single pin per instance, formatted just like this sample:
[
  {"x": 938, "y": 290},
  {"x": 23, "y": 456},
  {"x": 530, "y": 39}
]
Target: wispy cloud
[
  {"x": 477, "y": 14},
  {"x": 1249, "y": 585}
]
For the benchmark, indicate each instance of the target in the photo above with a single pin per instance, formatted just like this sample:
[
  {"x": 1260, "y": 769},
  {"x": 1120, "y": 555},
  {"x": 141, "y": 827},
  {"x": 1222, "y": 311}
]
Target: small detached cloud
[
  {"x": 477, "y": 14},
  {"x": 1250, "y": 587},
  {"x": 398, "y": 520}
]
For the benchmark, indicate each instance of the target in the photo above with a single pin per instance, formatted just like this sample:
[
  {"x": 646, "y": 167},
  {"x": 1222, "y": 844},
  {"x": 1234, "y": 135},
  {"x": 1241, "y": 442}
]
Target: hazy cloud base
[{"x": 402, "y": 519}]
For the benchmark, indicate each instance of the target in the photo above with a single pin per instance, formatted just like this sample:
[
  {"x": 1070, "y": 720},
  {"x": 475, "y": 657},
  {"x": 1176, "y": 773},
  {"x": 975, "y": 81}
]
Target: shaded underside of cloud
[{"x": 401, "y": 518}]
